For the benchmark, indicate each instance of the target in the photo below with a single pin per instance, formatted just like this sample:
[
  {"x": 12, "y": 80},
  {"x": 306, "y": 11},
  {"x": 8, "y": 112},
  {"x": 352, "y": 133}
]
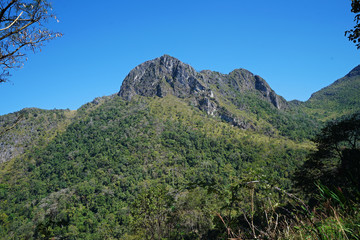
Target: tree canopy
[
  {"x": 22, "y": 28},
  {"x": 354, "y": 34},
  {"x": 336, "y": 162}
]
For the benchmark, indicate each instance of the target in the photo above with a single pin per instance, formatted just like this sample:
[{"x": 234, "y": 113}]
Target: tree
[
  {"x": 336, "y": 162},
  {"x": 151, "y": 213},
  {"x": 22, "y": 28},
  {"x": 354, "y": 34}
]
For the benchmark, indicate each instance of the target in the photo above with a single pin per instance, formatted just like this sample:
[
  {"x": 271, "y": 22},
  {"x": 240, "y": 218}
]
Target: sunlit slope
[
  {"x": 95, "y": 167},
  {"x": 339, "y": 99}
]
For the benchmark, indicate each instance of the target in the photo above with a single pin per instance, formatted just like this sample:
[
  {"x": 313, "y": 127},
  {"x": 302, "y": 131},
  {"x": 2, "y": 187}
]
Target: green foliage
[
  {"x": 331, "y": 177},
  {"x": 30, "y": 127},
  {"x": 291, "y": 122},
  {"x": 342, "y": 98},
  {"x": 162, "y": 168},
  {"x": 336, "y": 162},
  {"x": 354, "y": 34},
  {"x": 151, "y": 213},
  {"x": 89, "y": 181}
]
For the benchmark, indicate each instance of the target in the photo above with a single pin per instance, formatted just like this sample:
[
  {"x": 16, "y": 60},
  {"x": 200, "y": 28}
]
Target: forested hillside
[
  {"x": 339, "y": 99},
  {"x": 176, "y": 154}
]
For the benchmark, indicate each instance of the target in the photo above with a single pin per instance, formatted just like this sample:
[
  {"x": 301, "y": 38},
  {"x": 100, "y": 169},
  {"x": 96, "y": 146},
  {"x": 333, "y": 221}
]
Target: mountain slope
[
  {"x": 25, "y": 129},
  {"x": 28, "y": 127},
  {"x": 338, "y": 99},
  {"x": 240, "y": 98},
  {"x": 97, "y": 166}
]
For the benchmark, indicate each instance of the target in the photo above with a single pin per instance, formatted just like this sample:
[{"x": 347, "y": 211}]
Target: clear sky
[{"x": 298, "y": 47}]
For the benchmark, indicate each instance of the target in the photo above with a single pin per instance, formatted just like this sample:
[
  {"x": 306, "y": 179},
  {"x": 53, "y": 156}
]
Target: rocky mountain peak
[
  {"x": 167, "y": 75},
  {"x": 160, "y": 77}
]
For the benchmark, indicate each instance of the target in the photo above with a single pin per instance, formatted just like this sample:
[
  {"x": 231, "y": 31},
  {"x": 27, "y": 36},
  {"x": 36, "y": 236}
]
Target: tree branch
[
  {"x": 12, "y": 22},
  {"x": 6, "y": 8}
]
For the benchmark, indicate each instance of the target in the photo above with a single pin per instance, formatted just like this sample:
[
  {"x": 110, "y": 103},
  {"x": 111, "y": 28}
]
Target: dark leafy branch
[
  {"x": 22, "y": 28},
  {"x": 354, "y": 34}
]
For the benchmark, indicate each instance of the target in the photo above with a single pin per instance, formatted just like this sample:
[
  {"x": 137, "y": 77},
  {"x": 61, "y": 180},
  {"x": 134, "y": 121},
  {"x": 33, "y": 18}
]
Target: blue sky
[{"x": 298, "y": 47}]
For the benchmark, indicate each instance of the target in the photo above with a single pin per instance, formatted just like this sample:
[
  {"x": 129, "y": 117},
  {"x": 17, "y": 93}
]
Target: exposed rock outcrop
[
  {"x": 168, "y": 75},
  {"x": 160, "y": 77}
]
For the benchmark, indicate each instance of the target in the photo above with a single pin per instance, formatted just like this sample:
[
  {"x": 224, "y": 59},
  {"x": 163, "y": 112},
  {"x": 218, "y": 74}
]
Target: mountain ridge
[
  {"x": 340, "y": 98},
  {"x": 168, "y": 75},
  {"x": 240, "y": 98},
  {"x": 354, "y": 72}
]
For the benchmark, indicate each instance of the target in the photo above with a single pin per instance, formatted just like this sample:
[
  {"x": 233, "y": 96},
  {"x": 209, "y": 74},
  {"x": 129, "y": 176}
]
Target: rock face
[
  {"x": 243, "y": 81},
  {"x": 167, "y": 75},
  {"x": 160, "y": 77}
]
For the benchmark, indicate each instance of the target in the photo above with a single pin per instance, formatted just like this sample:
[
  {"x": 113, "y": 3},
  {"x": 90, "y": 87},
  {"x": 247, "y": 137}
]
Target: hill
[{"x": 338, "y": 99}]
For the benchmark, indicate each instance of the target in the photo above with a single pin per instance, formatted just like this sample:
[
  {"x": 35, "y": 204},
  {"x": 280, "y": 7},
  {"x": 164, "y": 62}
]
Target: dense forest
[{"x": 185, "y": 155}]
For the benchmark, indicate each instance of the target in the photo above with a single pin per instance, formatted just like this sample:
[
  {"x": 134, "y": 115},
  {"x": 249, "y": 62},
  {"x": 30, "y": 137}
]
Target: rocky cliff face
[
  {"x": 168, "y": 75},
  {"x": 160, "y": 77},
  {"x": 242, "y": 81}
]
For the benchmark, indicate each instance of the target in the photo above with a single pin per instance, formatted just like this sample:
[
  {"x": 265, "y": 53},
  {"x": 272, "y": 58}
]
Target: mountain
[
  {"x": 142, "y": 163},
  {"x": 168, "y": 75},
  {"x": 338, "y": 99},
  {"x": 241, "y": 98}
]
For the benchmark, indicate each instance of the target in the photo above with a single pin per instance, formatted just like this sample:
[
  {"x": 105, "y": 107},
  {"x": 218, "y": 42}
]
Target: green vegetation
[
  {"x": 341, "y": 98},
  {"x": 30, "y": 127},
  {"x": 88, "y": 182},
  {"x": 255, "y": 110},
  {"x": 292, "y": 122},
  {"x": 164, "y": 168}
]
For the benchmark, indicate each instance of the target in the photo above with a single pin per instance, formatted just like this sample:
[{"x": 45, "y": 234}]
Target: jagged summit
[
  {"x": 168, "y": 75},
  {"x": 160, "y": 77}
]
